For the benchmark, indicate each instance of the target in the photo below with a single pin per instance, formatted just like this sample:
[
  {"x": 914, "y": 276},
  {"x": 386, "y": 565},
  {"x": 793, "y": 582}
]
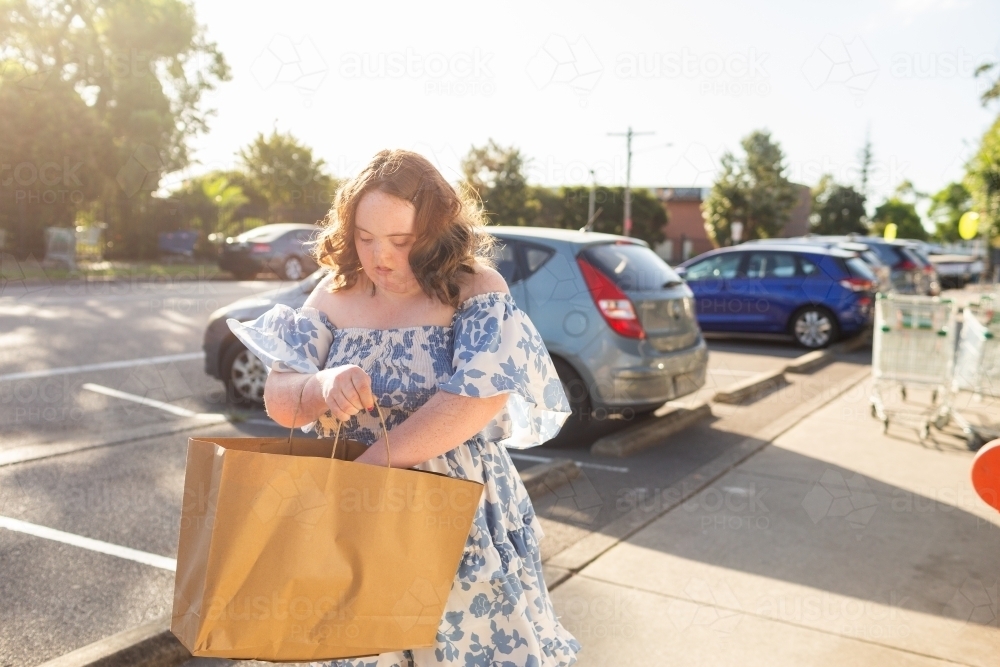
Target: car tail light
[
  {"x": 615, "y": 307},
  {"x": 907, "y": 265},
  {"x": 857, "y": 284},
  {"x": 260, "y": 247}
]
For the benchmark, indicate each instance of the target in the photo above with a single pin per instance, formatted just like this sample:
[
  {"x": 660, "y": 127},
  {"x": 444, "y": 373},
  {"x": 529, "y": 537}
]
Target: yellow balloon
[
  {"x": 968, "y": 225},
  {"x": 890, "y": 231}
]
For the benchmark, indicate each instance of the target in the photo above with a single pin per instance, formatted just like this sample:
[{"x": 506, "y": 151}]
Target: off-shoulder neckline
[{"x": 461, "y": 307}]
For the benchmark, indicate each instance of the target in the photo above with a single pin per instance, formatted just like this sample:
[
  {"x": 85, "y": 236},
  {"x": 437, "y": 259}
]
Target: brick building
[{"x": 685, "y": 231}]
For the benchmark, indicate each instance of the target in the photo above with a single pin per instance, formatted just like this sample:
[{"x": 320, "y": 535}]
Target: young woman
[{"x": 413, "y": 317}]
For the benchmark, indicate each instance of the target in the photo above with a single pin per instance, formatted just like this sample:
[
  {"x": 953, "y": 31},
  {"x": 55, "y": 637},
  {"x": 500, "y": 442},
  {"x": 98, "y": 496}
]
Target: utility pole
[
  {"x": 590, "y": 206},
  {"x": 627, "y": 226}
]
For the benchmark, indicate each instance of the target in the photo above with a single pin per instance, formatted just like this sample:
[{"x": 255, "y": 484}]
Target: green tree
[
  {"x": 837, "y": 209},
  {"x": 50, "y": 153},
  {"x": 292, "y": 181},
  {"x": 983, "y": 182},
  {"x": 649, "y": 217},
  {"x": 753, "y": 189},
  {"x": 993, "y": 91},
  {"x": 946, "y": 209},
  {"x": 497, "y": 174},
  {"x": 904, "y": 215},
  {"x": 141, "y": 68}
]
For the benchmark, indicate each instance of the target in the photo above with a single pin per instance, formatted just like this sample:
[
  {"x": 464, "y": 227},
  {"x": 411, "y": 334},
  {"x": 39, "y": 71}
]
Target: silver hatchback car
[{"x": 618, "y": 322}]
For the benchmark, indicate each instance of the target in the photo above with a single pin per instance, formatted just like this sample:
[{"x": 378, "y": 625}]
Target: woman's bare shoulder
[
  {"x": 327, "y": 302},
  {"x": 484, "y": 280}
]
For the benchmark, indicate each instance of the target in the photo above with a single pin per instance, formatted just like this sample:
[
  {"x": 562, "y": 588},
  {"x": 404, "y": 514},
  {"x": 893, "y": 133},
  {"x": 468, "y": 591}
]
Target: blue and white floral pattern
[{"x": 498, "y": 611}]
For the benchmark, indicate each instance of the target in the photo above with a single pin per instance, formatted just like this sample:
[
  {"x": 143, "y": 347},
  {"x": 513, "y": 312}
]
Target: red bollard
[{"x": 986, "y": 474}]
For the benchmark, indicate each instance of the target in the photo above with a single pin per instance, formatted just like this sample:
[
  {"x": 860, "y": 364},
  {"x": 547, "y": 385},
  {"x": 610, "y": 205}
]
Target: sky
[{"x": 562, "y": 80}]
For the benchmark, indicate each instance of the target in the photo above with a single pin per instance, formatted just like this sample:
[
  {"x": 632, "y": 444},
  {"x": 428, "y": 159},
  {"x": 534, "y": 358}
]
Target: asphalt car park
[{"x": 88, "y": 536}]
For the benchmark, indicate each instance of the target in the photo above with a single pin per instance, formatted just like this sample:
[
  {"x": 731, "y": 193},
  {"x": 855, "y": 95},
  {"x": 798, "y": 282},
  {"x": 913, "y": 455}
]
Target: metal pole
[
  {"x": 593, "y": 186},
  {"x": 627, "y": 225}
]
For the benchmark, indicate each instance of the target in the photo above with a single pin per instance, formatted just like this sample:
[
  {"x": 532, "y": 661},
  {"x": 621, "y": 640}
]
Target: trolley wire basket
[
  {"x": 977, "y": 374},
  {"x": 913, "y": 346}
]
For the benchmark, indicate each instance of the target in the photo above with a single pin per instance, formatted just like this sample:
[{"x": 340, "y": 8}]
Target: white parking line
[
  {"x": 726, "y": 371},
  {"x": 184, "y": 412},
  {"x": 582, "y": 464},
  {"x": 153, "y": 403},
  {"x": 90, "y": 544},
  {"x": 49, "y": 372}
]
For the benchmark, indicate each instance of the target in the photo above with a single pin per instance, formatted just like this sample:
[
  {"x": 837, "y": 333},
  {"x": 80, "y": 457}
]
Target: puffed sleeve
[
  {"x": 498, "y": 350},
  {"x": 287, "y": 339}
]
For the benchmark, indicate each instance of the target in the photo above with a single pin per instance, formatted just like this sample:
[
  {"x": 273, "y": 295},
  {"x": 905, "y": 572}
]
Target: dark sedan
[{"x": 282, "y": 248}]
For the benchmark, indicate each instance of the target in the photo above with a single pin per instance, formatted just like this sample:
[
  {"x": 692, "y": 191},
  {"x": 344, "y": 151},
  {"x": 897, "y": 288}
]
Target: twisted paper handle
[{"x": 340, "y": 426}]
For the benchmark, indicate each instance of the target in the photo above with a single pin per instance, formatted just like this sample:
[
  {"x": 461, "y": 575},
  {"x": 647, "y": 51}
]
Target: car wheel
[
  {"x": 576, "y": 391},
  {"x": 292, "y": 269},
  {"x": 814, "y": 327},
  {"x": 244, "y": 376}
]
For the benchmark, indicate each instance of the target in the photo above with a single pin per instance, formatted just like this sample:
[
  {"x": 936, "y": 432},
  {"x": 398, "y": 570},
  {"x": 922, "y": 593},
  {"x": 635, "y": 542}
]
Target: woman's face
[{"x": 383, "y": 236}]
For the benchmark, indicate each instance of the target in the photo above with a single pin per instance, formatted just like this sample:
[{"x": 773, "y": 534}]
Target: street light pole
[{"x": 627, "y": 226}]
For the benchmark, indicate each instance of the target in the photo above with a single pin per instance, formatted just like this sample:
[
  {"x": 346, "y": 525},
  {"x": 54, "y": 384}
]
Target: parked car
[
  {"x": 908, "y": 272},
  {"x": 931, "y": 280},
  {"x": 812, "y": 293},
  {"x": 883, "y": 273},
  {"x": 618, "y": 322},
  {"x": 956, "y": 269},
  {"x": 282, "y": 248}
]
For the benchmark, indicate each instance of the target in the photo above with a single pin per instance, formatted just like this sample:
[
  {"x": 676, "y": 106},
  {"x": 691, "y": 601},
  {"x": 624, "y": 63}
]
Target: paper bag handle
[{"x": 340, "y": 425}]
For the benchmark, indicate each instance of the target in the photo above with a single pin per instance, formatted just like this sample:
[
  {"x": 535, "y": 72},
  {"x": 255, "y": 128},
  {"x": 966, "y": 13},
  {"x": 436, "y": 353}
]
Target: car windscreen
[{"x": 633, "y": 267}]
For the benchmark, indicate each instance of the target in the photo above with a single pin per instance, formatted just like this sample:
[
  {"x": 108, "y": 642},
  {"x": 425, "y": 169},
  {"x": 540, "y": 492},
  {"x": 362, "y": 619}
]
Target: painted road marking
[
  {"x": 153, "y": 403},
  {"x": 582, "y": 464},
  {"x": 66, "y": 370},
  {"x": 88, "y": 543}
]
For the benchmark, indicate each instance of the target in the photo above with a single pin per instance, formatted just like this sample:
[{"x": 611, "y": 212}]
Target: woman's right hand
[{"x": 347, "y": 390}]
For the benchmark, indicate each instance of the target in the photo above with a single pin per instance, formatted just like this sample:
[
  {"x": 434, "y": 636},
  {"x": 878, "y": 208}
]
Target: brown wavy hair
[{"x": 447, "y": 225}]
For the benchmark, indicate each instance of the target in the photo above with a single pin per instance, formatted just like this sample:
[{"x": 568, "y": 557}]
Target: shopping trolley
[
  {"x": 977, "y": 372},
  {"x": 913, "y": 346}
]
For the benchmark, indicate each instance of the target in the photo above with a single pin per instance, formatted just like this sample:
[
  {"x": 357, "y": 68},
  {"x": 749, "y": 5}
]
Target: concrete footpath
[{"x": 834, "y": 545}]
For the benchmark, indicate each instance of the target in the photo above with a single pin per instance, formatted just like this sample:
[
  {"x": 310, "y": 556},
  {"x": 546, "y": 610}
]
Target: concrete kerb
[
  {"x": 752, "y": 388},
  {"x": 574, "y": 558},
  {"x": 149, "y": 645},
  {"x": 154, "y": 645}
]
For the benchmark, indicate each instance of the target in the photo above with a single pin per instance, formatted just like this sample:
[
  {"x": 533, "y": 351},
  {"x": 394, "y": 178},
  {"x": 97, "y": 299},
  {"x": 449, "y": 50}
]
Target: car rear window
[
  {"x": 633, "y": 267},
  {"x": 858, "y": 268},
  {"x": 886, "y": 253}
]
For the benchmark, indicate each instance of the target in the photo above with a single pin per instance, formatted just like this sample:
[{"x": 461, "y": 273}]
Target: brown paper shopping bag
[{"x": 289, "y": 551}]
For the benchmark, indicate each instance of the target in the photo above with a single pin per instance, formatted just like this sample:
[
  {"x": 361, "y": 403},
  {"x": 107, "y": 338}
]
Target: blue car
[{"x": 812, "y": 293}]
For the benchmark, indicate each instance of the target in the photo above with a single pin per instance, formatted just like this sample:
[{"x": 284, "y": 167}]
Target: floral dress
[{"x": 498, "y": 611}]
